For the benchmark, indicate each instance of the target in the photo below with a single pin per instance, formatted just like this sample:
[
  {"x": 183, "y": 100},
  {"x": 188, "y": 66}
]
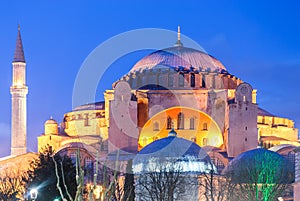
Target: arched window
[
  {"x": 192, "y": 80},
  {"x": 180, "y": 121},
  {"x": 156, "y": 126},
  {"x": 73, "y": 157},
  {"x": 170, "y": 80},
  {"x": 203, "y": 84},
  {"x": 86, "y": 120},
  {"x": 192, "y": 123},
  {"x": 169, "y": 123},
  {"x": 204, "y": 127},
  {"x": 204, "y": 141},
  {"x": 181, "y": 80},
  {"x": 89, "y": 168},
  {"x": 291, "y": 158},
  {"x": 218, "y": 163}
]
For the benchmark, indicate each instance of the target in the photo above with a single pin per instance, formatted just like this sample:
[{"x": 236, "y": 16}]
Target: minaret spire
[
  {"x": 18, "y": 92},
  {"x": 19, "y": 53},
  {"x": 178, "y": 43}
]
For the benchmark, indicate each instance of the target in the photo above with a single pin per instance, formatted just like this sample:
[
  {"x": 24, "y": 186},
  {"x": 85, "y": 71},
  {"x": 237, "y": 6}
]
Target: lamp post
[{"x": 33, "y": 194}]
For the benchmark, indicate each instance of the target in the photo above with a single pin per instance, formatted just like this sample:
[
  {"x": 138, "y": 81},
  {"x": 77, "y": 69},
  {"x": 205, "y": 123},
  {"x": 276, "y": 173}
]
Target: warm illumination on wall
[{"x": 190, "y": 124}]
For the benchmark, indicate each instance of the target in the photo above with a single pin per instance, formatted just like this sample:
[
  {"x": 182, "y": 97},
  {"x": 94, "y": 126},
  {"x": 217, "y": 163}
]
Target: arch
[
  {"x": 169, "y": 123},
  {"x": 175, "y": 115},
  {"x": 156, "y": 126},
  {"x": 192, "y": 80},
  {"x": 192, "y": 123},
  {"x": 180, "y": 121}
]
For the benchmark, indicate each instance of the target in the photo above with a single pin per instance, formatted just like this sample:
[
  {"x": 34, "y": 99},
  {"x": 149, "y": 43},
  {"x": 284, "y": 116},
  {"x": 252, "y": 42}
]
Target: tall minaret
[{"x": 18, "y": 92}]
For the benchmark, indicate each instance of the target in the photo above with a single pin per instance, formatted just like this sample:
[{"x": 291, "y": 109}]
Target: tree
[
  {"x": 166, "y": 182},
  {"x": 47, "y": 170},
  {"x": 215, "y": 187},
  {"x": 12, "y": 185},
  {"x": 260, "y": 175},
  {"x": 129, "y": 183}
]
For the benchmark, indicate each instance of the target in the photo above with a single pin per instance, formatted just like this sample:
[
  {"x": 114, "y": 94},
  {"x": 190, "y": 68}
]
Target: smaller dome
[
  {"x": 50, "y": 121},
  {"x": 170, "y": 150},
  {"x": 267, "y": 166}
]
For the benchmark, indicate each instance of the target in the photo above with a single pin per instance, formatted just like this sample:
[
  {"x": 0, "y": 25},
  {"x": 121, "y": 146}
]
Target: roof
[
  {"x": 179, "y": 56},
  {"x": 244, "y": 167},
  {"x": 272, "y": 138},
  {"x": 91, "y": 106},
  {"x": 172, "y": 146},
  {"x": 171, "y": 152},
  {"x": 262, "y": 112},
  {"x": 19, "y": 53},
  {"x": 281, "y": 146}
]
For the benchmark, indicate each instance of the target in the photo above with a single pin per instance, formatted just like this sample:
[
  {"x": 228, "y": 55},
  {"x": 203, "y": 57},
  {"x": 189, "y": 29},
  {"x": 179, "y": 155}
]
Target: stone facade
[{"x": 204, "y": 104}]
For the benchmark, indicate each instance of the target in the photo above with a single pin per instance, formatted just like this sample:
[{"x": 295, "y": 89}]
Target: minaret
[{"x": 18, "y": 92}]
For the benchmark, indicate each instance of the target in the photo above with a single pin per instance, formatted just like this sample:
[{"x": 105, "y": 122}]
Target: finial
[
  {"x": 51, "y": 117},
  {"x": 19, "y": 52},
  {"x": 172, "y": 132},
  {"x": 178, "y": 43},
  {"x": 178, "y": 33}
]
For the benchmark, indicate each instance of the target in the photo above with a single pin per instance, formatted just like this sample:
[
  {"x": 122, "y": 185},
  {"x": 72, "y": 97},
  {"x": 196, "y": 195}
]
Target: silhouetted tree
[
  {"x": 129, "y": 183},
  {"x": 43, "y": 175}
]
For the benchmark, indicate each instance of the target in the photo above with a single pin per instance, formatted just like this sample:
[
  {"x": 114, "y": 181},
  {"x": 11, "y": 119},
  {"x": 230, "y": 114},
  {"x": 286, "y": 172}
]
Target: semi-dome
[
  {"x": 266, "y": 166},
  {"x": 172, "y": 149},
  {"x": 179, "y": 56}
]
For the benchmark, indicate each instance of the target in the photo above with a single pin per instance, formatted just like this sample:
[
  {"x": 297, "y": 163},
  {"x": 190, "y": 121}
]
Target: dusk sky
[{"x": 258, "y": 41}]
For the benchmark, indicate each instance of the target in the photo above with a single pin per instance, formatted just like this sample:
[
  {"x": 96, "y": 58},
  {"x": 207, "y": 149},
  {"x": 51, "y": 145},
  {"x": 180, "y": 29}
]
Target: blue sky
[{"x": 258, "y": 41}]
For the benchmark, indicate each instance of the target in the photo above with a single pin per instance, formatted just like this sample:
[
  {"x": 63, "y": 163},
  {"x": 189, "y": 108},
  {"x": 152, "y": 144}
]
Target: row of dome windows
[
  {"x": 180, "y": 123},
  {"x": 183, "y": 80}
]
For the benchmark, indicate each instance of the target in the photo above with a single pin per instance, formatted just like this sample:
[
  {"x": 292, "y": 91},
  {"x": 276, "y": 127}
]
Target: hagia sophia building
[{"x": 177, "y": 88}]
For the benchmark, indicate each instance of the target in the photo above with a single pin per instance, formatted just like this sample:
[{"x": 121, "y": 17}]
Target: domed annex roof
[
  {"x": 179, "y": 56},
  {"x": 267, "y": 166},
  {"x": 51, "y": 121},
  {"x": 172, "y": 150}
]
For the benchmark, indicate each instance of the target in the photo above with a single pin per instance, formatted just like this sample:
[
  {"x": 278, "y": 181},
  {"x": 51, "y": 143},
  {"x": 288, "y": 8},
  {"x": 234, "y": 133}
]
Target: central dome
[{"x": 179, "y": 56}]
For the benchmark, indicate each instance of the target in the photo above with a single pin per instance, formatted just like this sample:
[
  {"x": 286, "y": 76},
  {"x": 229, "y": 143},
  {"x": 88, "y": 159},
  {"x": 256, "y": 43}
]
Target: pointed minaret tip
[
  {"x": 178, "y": 43},
  {"x": 19, "y": 53}
]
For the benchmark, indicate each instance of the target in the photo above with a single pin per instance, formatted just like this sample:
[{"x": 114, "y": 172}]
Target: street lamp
[{"x": 33, "y": 194}]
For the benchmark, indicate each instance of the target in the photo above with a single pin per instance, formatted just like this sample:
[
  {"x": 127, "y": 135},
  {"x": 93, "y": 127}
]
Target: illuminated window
[
  {"x": 169, "y": 123},
  {"x": 192, "y": 80},
  {"x": 181, "y": 80},
  {"x": 204, "y": 127},
  {"x": 180, "y": 121},
  {"x": 156, "y": 126},
  {"x": 154, "y": 138},
  {"x": 192, "y": 123},
  {"x": 204, "y": 141},
  {"x": 86, "y": 120},
  {"x": 170, "y": 80}
]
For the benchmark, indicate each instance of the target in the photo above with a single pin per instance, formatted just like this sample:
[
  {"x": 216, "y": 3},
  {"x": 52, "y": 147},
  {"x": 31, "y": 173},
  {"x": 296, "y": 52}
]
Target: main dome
[{"x": 179, "y": 56}]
